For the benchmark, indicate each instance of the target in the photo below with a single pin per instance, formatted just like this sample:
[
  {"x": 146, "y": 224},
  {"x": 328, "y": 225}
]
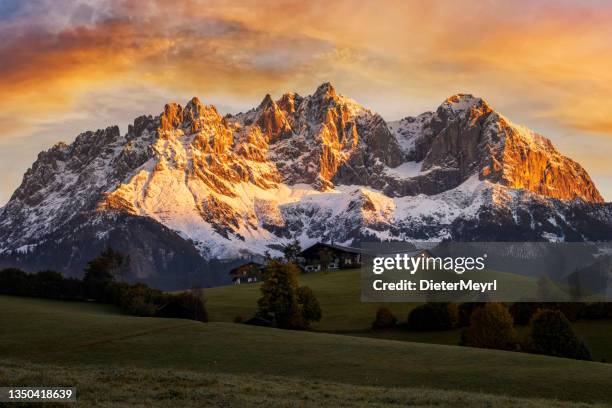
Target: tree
[
  {"x": 491, "y": 327},
  {"x": 465, "y": 312},
  {"x": 431, "y": 316},
  {"x": 552, "y": 334},
  {"x": 283, "y": 300},
  {"x": 292, "y": 251},
  {"x": 384, "y": 319},
  {"x": 278, "y": 297},
  {"x": 522, "y": 312},
  {"x": 48, "y": 284},
  {"x": 14, "y": 282},
  {"x": 100, "y": 272},
  {"x": 308, "y": 305},
  {"x": 196, "y": 301}
]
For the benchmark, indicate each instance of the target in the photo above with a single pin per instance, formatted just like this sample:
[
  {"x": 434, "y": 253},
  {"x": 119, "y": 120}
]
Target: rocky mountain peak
[
  {"x": 192, "y": 117},
  {"x": 267, "y": 103},
  {"x": 325, "y": 91},
  {"x": 289, "y": 102},
  {"x": 302, "y": 167},
  {"x": 172, "y": 117},
  {"x": 272, "y": 120}
]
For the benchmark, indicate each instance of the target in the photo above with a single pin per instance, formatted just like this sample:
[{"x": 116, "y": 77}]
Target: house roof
[
  {"x": 245, "y": 265},
  {"x": 332, "y": 246},
  {"x": 364, "y": 251}
]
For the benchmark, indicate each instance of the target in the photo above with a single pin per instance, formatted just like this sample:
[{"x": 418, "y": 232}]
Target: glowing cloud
[{"x": 545, "y": 64}]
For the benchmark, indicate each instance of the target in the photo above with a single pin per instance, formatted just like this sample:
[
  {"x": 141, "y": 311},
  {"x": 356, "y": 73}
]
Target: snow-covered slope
[{"x": 319, "y": 167}]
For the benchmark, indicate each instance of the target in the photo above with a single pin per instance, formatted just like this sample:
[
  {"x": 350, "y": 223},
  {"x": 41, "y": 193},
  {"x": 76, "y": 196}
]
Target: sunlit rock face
[
  {"x": 466, "y": 136},
  {"x": 319, "y": 167}
]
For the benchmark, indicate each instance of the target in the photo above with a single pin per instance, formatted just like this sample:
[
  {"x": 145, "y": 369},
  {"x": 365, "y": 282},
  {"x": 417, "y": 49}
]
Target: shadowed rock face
[{"x": 229, "y": 187}]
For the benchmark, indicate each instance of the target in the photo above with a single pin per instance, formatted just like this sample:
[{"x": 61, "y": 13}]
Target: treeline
[
  {"x": 491, "y": 325},
  {"x": 99, "y": 284}
]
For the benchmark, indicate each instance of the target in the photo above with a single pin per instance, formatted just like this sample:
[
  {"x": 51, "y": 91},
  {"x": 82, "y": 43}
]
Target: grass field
[
  {"x": 338, "y": 292},
  {"x": 94, "y": 346},
  {"x": 343, "y": 312},
  {"x": 113, "y": 387}
]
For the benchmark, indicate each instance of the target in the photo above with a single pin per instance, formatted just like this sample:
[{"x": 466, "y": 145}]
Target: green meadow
[
  {"x": 115, "y": 359},
  {"x": 339, "y": 294}
]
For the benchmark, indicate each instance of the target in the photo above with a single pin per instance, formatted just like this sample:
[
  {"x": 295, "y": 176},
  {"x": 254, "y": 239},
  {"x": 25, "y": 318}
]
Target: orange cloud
[{"x": 540, "y": 63}]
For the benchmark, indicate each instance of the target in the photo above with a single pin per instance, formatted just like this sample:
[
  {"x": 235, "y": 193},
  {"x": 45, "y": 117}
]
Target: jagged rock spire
[{"x": 326, "y": 89}]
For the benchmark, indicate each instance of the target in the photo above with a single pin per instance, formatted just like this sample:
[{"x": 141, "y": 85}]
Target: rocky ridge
[{"x": 318, "y": 167}]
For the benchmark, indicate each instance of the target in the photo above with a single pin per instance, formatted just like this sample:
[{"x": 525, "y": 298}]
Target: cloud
[{"x": 542, "y": 63}]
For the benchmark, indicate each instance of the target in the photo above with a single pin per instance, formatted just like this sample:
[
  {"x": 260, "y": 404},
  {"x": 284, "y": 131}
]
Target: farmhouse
[
  {"x": 329, "y": 256},
  {"x": 249, "y": 272}
]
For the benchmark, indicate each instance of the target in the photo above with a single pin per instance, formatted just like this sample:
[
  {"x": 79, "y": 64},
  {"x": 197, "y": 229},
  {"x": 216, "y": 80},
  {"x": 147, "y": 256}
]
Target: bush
[
  {"x": 100, "y": 272},
  {"x": 572, "y": 310},
  {"x": 308, "y": 305},
  {"x": 453, "y": 311},
  {"x": 465, "y": 312},
  {"x": 522, "y": 312},
  {"x": 385, "y": 319},
  {"x": 45, "y": 284},
  {"x": 552, "y": 334},
  {"x": 238, "y": 319},
  {"x": 597, "y": 310},
  {"x": 183, "y": 306},
  {"x": 430, "y": 316},
  {"x": 278, "y": 296},
  {"x": 14, "y": 282},
  {"x": 139, "y": 306},
  {"x": 491, "y": 327},
  {"x": 99, "y": 284},
  {"x": 291, "y": 306}
]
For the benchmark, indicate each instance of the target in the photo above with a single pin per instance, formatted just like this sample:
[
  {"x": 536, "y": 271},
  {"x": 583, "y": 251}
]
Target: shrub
[
  {"x": 552, "y": 334},
  {"x": 292, "y": 306},
  {"x": 491, "y": 327},
  {"x": 238, "y": 319},
  {"x": 14, "y": 282},
  {"x": 278, "y": 293},
  {"x": 45, "y": 284},
  {"x": 430, "y": 316},
  {"x": 465, "y": 312},
  {"x": 523, "y": 311},
  {"x": 139, "y": 306},
  {"x": 453, "y": 312},
  {"x": 572, "y": 310},
  {"x": 385, "y": 319},
  {"x": 101, "y": 272},
  {"x": 597, "y": 310},
  {"x": 308, "y": 305},
  {"x": 183, "y": 306}
]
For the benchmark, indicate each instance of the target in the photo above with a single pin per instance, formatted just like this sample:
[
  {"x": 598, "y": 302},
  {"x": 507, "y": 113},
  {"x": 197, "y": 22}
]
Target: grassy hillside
[
  {"x": 116, "y": 387},
  {"x": 338, "y": 293},
  {"x": 343, "y": 312},
  {"x": 91, "y": 340}
]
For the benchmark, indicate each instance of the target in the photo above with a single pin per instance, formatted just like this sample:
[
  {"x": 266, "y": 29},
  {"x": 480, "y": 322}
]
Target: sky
[{"x": 67, "y": 66}]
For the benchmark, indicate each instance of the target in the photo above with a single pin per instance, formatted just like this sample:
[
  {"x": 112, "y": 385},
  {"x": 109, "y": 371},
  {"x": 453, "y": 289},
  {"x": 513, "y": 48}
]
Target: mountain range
[{"x": 189, "y": 192}]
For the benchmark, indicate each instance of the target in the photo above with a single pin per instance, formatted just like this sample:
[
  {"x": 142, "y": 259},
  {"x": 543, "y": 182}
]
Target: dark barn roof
[
  {"x": 248, "y": 265},
  {"x": 313, "y": 250}
]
